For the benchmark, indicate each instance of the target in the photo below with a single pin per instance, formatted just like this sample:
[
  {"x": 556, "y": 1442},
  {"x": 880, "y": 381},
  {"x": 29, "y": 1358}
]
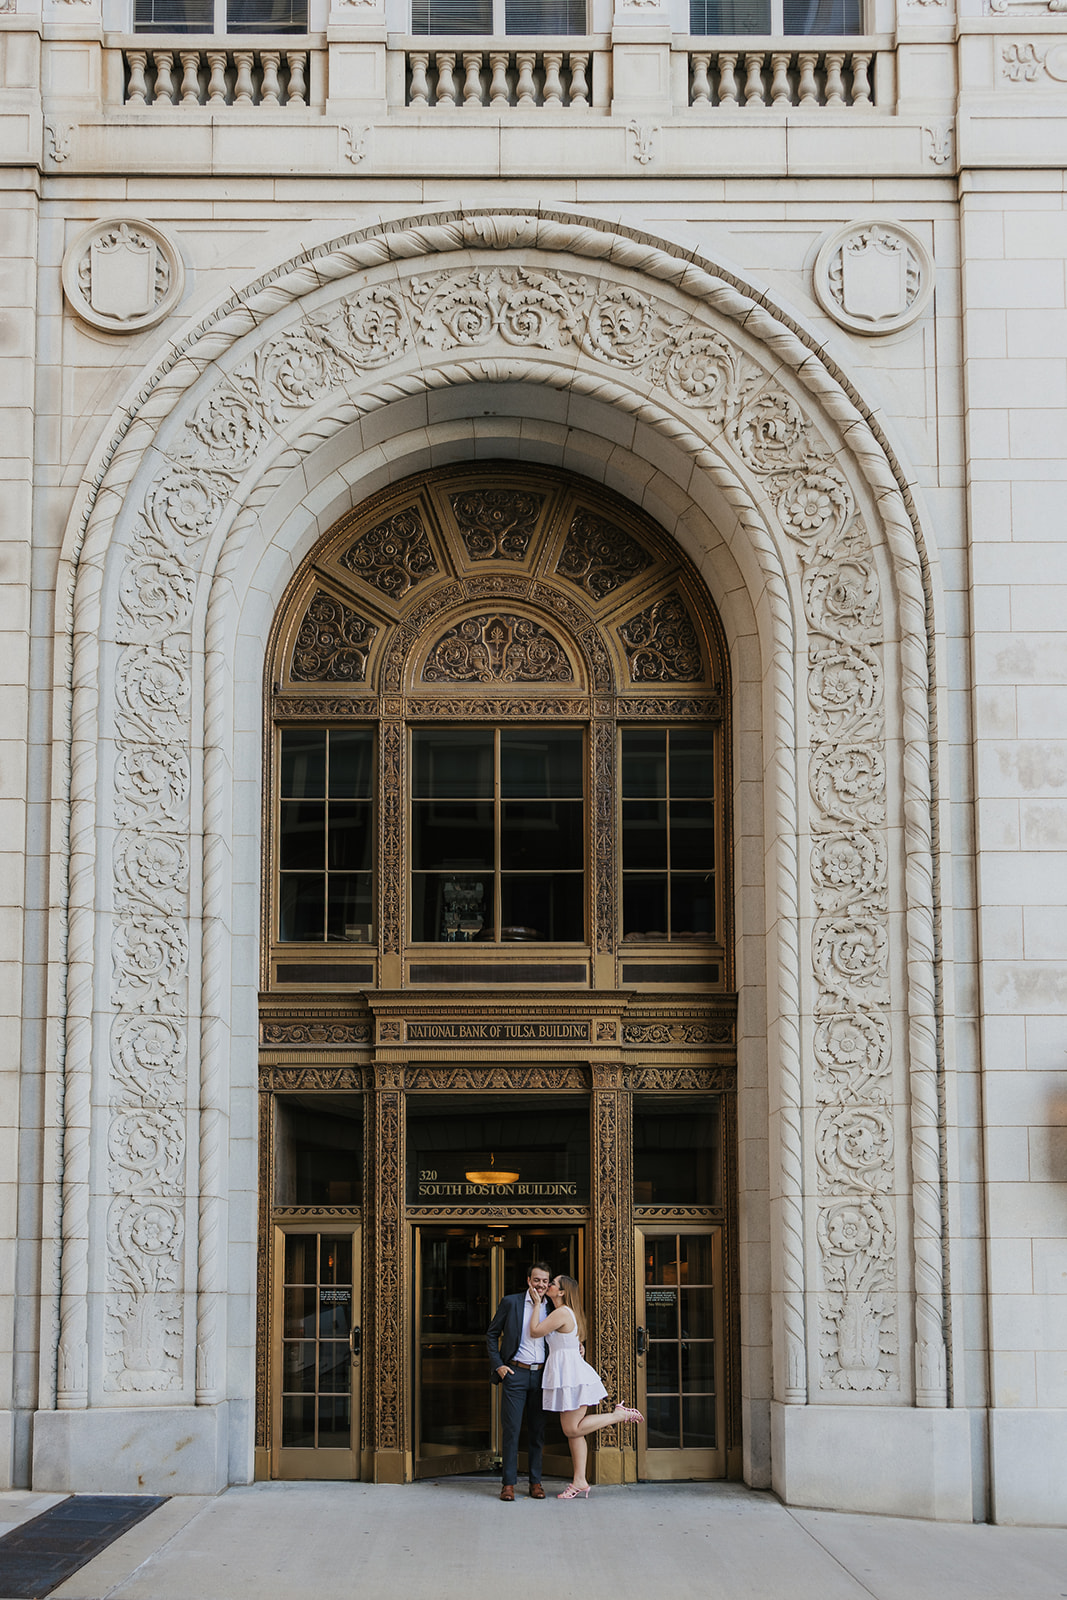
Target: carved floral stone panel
[
  {"x": 496, "y": 524},
  {"x": 661, "y": 644},
  {"x": 497, "y": 647},
  {"x": 332, "y": 643},
  {"x": 395, "y": 556},
  {"x": 599, "y": 556}
]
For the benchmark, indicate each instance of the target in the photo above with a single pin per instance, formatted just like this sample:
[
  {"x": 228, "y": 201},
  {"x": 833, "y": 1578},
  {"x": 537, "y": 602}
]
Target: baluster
[
  {"x": 472, "y": 82},
  {"x": 137, "y": 89},
  {"x": 835, "y": 88},
  {"x": 525, "y": 90},
  {"x": 269, "y": 93},
  {"x": 809, "y": 89},
  {"x": 553, "y": 96},
  {"x": 498, "y": 88},
  {"x": 446, "y": 83},
  {"x": 242, "y": 92},
  {"x": 419, "y": 93},
  {"x": 164, "y": 60},
  {"x": 861, "y": 83},
  {"x": 216, "y": 89},
  {"x": 699, "y": 87},
  {"x": 781, "y": 88},
  {"x": 727, "y": 81},
  {"x": 781, "y": 91},
  {"x": 190, "y": 77},
  {"x": 297, "y": 59},
  {"x": 579, "y": 83},
  {"x": 754, "y": 78}
]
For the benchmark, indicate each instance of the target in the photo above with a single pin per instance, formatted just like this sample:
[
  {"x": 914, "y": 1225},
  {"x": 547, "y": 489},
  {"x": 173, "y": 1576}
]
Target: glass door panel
[
  {"x": 462, "y": 1273},
  {"x": 680, "y": 1312},
  {"x": 454, "y": 1304},
  {"x": 315, "y": 1349}
]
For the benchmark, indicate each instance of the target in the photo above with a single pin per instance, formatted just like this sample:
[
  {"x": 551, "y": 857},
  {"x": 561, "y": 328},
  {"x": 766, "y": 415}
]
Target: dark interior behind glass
[
  {"x": 319, "y": 1150},
  {"x": 677, "y": 1152},
  {"x": 544, "y": 1140}
]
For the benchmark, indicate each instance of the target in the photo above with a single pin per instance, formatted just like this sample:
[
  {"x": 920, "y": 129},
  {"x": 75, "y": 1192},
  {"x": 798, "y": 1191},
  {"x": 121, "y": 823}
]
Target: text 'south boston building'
[{"x": 533, "y": 730}]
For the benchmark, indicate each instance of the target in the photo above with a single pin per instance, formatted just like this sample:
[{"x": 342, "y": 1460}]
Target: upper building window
[
  {"x": 498, "y": 17},
  {"x": 668, "y": 834},
  {"x": 792, "y": 18},
  {"x": 497, "y": 846},
  {"x": 325, "y": 835},
  {"x": 220, "y": 16}
]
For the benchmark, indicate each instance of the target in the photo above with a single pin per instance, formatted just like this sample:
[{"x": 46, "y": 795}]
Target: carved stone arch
[{"x": 228, "y": 421}]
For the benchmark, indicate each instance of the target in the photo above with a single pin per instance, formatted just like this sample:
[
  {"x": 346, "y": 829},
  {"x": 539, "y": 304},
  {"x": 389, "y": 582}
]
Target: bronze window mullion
[
  {"x": 326, "y": 854},
  {"x": 667, "y": 827},
  {"x": 498, "y": 838}
]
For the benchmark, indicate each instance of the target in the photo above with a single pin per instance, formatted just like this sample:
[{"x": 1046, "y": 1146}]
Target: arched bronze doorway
[{"x": 497, "y": 1014}]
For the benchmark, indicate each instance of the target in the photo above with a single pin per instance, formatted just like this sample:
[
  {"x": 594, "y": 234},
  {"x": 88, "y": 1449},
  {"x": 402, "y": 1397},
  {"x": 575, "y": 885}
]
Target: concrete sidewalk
[{"x": 453, "y": 1540}]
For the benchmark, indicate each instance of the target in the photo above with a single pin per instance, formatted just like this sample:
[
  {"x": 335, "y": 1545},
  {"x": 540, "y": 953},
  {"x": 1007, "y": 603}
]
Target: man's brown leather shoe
[
  {"x": 508, "y": 1492},
  {"x": 536, "y": 1492}
]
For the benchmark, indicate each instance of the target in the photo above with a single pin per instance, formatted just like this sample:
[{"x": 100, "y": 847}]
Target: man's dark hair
[{"x": 538, "y": 1266}]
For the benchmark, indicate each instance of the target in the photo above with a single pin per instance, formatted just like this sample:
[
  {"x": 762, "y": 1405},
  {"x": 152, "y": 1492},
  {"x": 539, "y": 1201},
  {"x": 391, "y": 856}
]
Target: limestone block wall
[{"x": 1015, "y": 246}]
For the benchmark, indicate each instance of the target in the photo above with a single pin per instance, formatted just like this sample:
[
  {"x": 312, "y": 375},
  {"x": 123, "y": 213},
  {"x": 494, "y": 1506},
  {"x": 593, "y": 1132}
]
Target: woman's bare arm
[{"x": 554, "y": 1321}]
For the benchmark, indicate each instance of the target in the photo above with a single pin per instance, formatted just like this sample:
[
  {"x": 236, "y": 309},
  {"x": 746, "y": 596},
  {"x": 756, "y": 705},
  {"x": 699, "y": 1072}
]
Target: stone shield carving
[
  {"x": 873, "y": 277},
  {"x": 123, "y": 275}
]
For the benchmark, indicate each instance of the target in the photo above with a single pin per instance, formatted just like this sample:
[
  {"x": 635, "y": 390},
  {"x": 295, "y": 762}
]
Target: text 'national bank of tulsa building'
[{"x": 533, "y": 728}]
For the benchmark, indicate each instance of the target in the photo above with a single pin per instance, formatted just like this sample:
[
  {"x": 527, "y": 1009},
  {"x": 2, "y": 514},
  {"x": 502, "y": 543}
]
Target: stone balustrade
[
  {"x": 756, "y": 76},
  {"x": 457, "y": 74},
  {"x": 453, "y": 74},
  {"x": 165, "y": 73}
]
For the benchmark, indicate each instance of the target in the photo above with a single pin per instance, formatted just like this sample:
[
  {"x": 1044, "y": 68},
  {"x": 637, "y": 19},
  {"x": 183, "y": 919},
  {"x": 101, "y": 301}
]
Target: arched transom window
[{"x": 496, "y": 750}]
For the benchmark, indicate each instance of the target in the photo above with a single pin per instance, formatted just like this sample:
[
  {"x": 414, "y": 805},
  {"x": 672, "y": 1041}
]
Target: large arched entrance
[
  {"x": 499, "y": 850},
  {"x": 566, "y": 344}
]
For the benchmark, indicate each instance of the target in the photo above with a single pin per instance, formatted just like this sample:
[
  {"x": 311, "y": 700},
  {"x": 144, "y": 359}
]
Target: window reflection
[
  {"x": 677, "y": 1152},
  {"x": 497, "y": 835},
  {"x": 326, "y": 835},
  {"x": 319, "y": 1142},
  {"x": 242, "y": 16},
  {"x": 668, "y": 835}
]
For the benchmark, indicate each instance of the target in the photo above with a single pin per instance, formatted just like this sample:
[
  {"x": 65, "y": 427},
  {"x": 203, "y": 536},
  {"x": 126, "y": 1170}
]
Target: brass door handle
[
  {"x": 355, "y": 1342},
  {"x": 640, "y": 1342}
]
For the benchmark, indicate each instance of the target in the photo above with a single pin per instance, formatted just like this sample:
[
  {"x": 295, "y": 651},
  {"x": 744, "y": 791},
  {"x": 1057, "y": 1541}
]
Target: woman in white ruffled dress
[{"x": 569, "y": 1384}]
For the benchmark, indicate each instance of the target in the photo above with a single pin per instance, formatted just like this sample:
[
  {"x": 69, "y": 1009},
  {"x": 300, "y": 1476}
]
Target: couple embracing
[{"x": 536, "y": 1350}]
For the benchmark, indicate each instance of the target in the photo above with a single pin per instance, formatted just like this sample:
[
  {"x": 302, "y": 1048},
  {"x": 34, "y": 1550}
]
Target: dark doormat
[{"x": 40, "y": 1554}]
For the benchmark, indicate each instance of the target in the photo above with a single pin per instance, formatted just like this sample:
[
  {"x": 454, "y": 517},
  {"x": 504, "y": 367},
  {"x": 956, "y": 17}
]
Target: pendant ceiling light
[{"x": 493, "y": 1174}]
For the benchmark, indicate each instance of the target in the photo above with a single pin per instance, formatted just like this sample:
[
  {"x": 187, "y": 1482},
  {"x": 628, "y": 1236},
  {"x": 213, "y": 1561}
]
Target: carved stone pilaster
[
  {"x": 392, "y": 825},
  {"x": 387, "y": 1421},
  {"x": 613, "y": 1286},
  {"x": 604, "y": 914}
]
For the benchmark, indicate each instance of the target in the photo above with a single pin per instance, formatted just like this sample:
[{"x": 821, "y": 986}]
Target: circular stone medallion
[
  {"x": 123, "y": 275},
  {"x": 873, "y": 277}
]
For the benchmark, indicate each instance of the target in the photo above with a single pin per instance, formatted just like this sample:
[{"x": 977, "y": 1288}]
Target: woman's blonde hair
[{"x": 569, "y": 1290}]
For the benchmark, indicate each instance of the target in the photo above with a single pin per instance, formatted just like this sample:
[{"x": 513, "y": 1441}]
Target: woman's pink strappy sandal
[
  {"x": 628, "y": 1414},
  {"x": 572, "y": 1493}
]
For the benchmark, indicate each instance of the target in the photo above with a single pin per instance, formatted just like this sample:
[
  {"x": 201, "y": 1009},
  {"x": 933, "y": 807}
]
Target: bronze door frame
[
  {"x": 557, "y": 1458},
  {"x": 319, "y": 1462},
  {"x": 662, "y": 1463}
]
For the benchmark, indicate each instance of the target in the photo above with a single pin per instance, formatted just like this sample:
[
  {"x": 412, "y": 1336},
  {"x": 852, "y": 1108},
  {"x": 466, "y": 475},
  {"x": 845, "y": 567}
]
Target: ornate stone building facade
[{"x": 534, "y": 627}]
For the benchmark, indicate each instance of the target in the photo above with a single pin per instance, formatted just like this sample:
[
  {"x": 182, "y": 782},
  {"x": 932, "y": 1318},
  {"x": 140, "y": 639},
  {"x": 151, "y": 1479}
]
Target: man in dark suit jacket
[{"x": 517, "y": 1362}]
